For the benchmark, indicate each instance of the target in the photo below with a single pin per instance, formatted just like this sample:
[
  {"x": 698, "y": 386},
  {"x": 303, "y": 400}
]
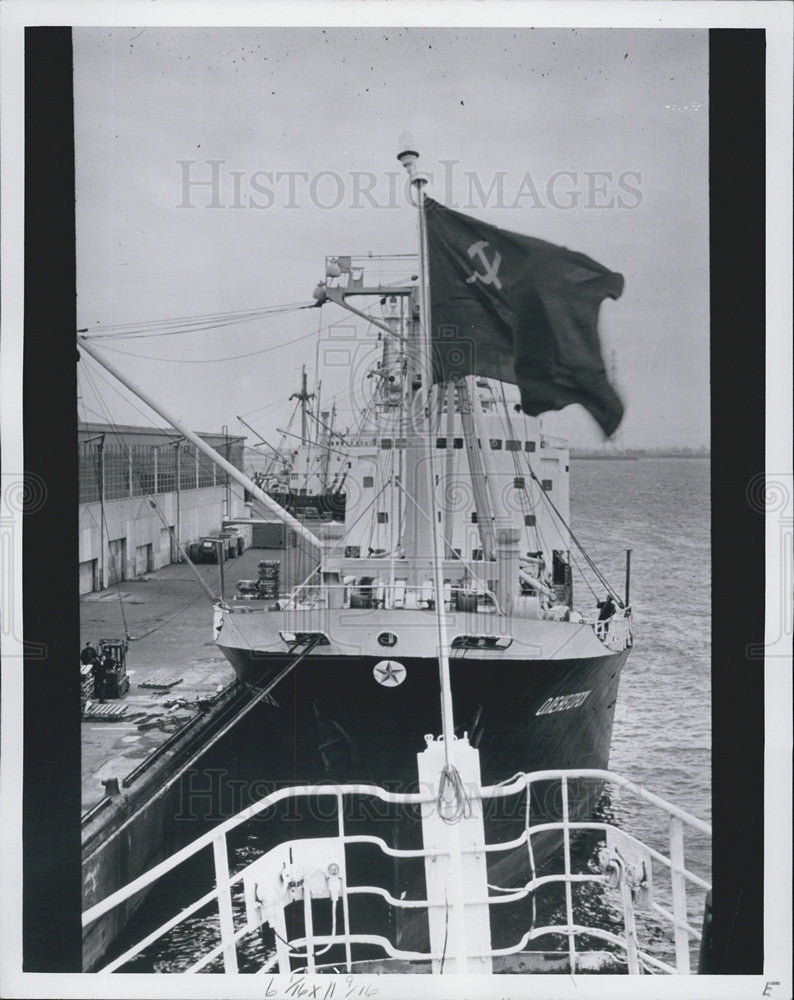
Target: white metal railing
[
  {"x": 380, "y": 593},
  {"x": 625, "y": 865},
  {"x": 615, "y": 632}
]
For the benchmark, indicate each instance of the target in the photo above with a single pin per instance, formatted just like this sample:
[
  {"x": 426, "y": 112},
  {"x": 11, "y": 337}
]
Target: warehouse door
[
  {"x": 143, "y": 559},
  {"x": 166, "y": 552},
  {"x": 117, "y": 563},
  {"x": 88, "y": 576}
]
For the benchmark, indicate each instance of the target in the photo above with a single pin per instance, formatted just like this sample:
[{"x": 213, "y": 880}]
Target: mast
[
  {"x": 303, "y": 398},
  {"x": 420, "y": 414}
]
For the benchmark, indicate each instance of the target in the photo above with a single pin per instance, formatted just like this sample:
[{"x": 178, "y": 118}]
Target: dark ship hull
[{"x": 336, "y": 723}]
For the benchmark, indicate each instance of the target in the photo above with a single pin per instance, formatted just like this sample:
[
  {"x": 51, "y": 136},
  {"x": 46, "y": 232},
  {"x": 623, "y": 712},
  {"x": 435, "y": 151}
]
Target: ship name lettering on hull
[{"x": 563, "y": 703}]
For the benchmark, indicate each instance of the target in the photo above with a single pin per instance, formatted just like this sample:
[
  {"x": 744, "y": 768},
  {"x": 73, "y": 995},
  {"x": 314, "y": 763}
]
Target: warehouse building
[{"x": 142, "y": 488}]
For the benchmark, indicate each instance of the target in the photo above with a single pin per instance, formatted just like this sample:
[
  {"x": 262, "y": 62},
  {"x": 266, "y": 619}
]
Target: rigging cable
[
  {"x": 203, "y": 462},
  {"x": 187, "y": 324},
  {"x": 530, "y": 500}
]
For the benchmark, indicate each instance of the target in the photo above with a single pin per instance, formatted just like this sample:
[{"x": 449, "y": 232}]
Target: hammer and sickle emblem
[{"x": 491, "y": 276}]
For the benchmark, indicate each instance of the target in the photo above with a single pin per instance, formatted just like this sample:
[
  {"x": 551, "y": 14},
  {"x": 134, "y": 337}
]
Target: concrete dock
[{"x": 130, "y": 766}]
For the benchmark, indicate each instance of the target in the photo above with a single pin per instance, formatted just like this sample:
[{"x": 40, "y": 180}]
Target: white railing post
[
  {"x": 221, "y": 857},
  {"x": 629, "y": 925},
  {"x": 308, "y": 929},
  {"x": 566, "y": 833},
  {"x": 678, "y": 880},
  {"x": 280, "y": 933},
  {"x": 340, "y": 805}
]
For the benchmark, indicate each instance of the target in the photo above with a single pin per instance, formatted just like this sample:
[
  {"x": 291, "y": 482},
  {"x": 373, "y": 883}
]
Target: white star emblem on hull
[{"x": 389, "y": 673}]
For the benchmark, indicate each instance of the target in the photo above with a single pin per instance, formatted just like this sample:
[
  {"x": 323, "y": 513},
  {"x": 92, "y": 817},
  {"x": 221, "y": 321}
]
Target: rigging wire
[
  {"x": 547, "y": 499},
  {"x": 210, "y": 361},
  {"x": 195, "y": 317},
  {"x": 524, "y": 495},
  {"x": 186, "y": 324},
  {"x": 205, "y": 462}
]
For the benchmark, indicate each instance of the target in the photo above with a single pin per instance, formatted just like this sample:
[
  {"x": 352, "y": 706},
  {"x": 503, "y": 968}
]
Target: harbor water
[{"x": 659, "y": 508}]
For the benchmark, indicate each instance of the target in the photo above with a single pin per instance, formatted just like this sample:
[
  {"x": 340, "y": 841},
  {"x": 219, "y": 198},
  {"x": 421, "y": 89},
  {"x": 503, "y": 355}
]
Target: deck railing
[
  {"x": 615, "y": 632},
  {"x": 627, "y": 868},
  {"x": 382, "y": 594}
]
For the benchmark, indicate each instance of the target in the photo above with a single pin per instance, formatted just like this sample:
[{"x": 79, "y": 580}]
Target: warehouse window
[
  {"x": 117, "y": 472},
  {"x": 208, "y": 472},
  {"x": 90, "y": 477}
]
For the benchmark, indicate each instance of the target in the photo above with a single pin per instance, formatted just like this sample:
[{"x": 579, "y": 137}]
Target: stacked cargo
[{"x": 268, "y": 581}]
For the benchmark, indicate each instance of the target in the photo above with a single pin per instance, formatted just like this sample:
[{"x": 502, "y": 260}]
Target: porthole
[{"x": 387, "y": 639}]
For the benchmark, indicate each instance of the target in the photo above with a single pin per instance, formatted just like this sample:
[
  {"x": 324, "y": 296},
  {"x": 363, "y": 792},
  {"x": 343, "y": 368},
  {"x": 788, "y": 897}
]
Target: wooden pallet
[
  {"x": 161, "y": 682},
  {"x": 104, "y": 713}
]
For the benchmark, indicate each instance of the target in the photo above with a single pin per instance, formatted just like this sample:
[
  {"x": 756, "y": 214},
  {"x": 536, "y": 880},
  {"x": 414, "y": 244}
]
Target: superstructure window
[
  {"x": 529, "y": 446},
  {"x": 474, "y": 517},
  {"x": 529, "y": 520},
  {"x": 547, "y": 484},
  {"x": 385, "y": 443},
  {"x": 383, "y": 517},
  {"x": 369, "y": 481},
  {"x": 518, "y": 483},
  {"x": 457, "y": 442},
  {"x": 512, "y": 445},
  {"x": 441, "y": 442},
  {"x": 496, "y": 444}
]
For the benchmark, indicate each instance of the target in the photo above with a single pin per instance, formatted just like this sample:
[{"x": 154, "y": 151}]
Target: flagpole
[{"x": 408, "y": 158}]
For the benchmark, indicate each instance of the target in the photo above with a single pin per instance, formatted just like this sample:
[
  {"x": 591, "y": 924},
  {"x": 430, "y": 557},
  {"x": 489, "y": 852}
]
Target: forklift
[{"x": 117, "y": 683}]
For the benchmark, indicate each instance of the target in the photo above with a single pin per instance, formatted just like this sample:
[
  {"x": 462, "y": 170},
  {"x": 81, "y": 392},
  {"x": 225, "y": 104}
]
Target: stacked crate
[{"x": 268, "y": 582}]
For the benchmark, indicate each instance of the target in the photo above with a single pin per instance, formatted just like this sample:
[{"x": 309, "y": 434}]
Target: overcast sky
[{"x": 594, "y": 139}]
